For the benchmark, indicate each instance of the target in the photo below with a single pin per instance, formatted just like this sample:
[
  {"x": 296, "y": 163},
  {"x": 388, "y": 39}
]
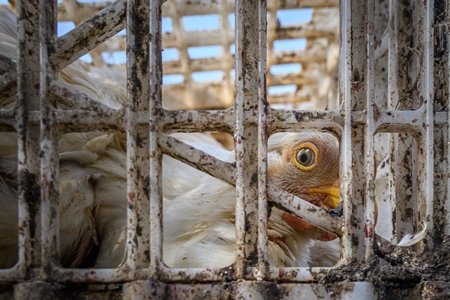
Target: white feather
[{"x": 412, "y": 239}]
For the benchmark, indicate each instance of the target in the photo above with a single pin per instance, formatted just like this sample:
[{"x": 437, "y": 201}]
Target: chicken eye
[{"x": 306, "y": 157}]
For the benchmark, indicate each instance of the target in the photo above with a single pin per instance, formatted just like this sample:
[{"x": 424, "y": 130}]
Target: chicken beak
[{"x": 332, "y": 200}]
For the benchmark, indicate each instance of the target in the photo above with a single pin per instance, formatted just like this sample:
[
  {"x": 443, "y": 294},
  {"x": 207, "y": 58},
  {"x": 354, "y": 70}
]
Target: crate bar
[
  {"x": 155, "y": 107},
  {"x": 195, "y": 274},
  {"x": 353, "y": 88},
  {"x": 401, "y": 121},
  {"x": 403, "y": 177},
  {"x": 64, "y": 275},
  {"x": 28, "y": 135},
  {"x": 138, "y": 64},
  {"x": 295, "y": 120},
  {"x": 263, "y": 107},
  {"x": 246, "y": 135},
  {"x": 297, "y": 274},
  {"x": 446, "y": 120},
  {"x": 49, "y": 153},
  {"x": 369, "y": 159},
  {"x": 147, "y": 289},
  {"x": 393, "y": 57},
  {"x": 89, "y": 120},
  {"x": 426, "y": 152},
  {"x": 346, "y": 151},
  {"x": 199, "y": 121}
]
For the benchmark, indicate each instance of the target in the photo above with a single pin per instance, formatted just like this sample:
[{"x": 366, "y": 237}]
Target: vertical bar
[
  {"x": 155, "y": 106},
  {"x": 28, "y": 134},
  {"x": 369, "y": 158},
  {"x": 393, "y": 101},
  {"x": 346, "y": 152},
  {"x": 247, "y": 92},
  {"x": 404, "y": 151},
  {"x": 48, "y": 154},
  {"x": 393, "y": 55},
  {"x": 263, "y": 106},
  {"x": 354, "y": 91},
  {"x": 137, "y": 135},
  {"x": 446, "y": 201},
  {"x": 426, "y": 156}
]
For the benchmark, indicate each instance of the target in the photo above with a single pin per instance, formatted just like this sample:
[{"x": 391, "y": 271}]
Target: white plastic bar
[
  {"x": 155, "y": 106},
  {"x": 48, "y": 139},
  {"x": 447, "y": 117},
  {"x": 246, "y": 134},
  {"x": 369, "y": 159},
  {"x": 426, "y": 156},
  {"x": 138, "y": 222},
  {"x": 28, "y": 135},
  {"x": 262, "y": 143},
  {"x": 346, "y": 141}
]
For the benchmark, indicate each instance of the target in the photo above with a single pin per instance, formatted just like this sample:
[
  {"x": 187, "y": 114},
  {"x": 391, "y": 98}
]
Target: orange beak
[{"x": 332, "y": 199}]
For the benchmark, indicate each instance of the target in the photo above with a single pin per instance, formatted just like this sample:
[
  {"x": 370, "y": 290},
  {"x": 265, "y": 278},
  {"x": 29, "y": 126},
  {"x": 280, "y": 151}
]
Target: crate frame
[{"x": 250, "y": 120}]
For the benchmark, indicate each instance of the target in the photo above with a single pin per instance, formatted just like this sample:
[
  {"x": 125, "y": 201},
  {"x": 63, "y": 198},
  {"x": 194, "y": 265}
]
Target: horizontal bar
[
  {"x": 12, "y": 274},
  {"x": 197, "y": 121},
  {"x": 89, "y": 120},
  {"x": 196, "y": 274},
  {"x": 399, "y": 120},
  {"x": 301, "y": 119},
  {"x": 90, "y": 275}
]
